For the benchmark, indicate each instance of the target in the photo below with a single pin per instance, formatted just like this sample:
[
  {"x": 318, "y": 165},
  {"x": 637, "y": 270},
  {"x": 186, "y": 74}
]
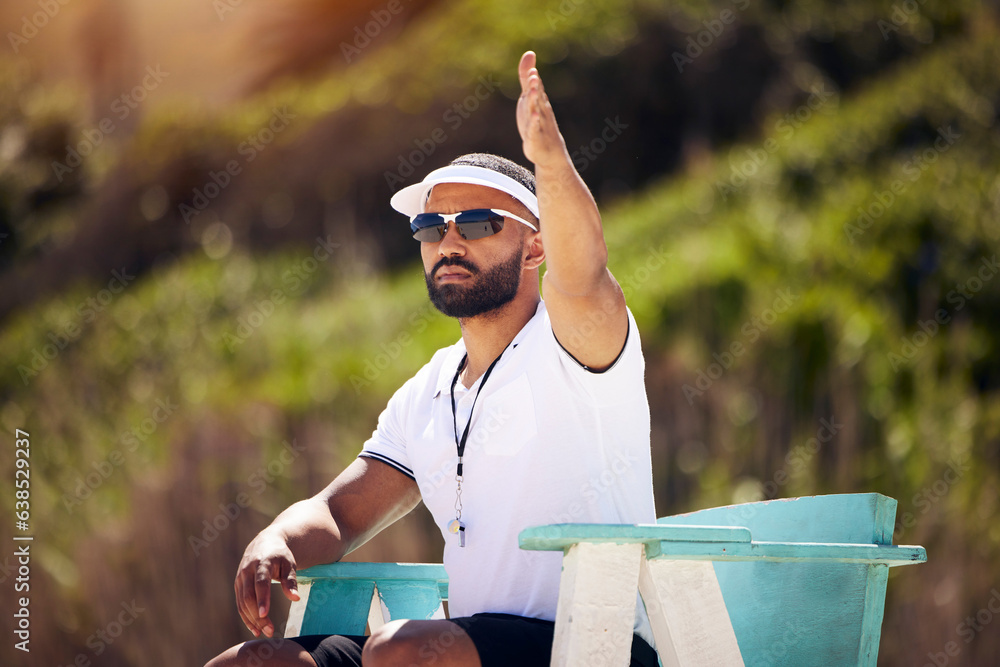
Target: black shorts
[{"x": 501, "y": 640}]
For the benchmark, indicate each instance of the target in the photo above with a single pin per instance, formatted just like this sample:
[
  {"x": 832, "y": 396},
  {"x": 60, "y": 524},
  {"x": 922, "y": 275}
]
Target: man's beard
[{"x": 487, "y": 290}]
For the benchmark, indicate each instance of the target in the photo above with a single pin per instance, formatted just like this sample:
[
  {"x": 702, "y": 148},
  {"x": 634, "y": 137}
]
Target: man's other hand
[{"x": 267, "y": 557}]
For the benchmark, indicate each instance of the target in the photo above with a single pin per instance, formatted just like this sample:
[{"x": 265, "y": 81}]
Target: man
[{"x": 537, "y": 415}]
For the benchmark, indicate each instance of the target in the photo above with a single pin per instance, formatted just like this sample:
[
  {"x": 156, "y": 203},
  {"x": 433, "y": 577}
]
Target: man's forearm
[
  {"x": 311, "y": 532},
  {"x": 575, "y": 251}
]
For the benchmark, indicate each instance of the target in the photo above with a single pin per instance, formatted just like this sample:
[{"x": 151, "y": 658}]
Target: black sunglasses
[{"x": 473, "y": 224}]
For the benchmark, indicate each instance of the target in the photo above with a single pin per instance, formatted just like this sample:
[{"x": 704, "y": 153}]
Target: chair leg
[
  {"x": 690, "y": 622},
  {"x": 597, "y": 598},
  {"x": 871, "y": 630}
]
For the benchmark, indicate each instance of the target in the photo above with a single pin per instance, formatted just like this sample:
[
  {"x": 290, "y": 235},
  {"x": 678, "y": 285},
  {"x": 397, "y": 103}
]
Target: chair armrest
[
  {"x": 722, "y": 543},
  {"x": 377, "y": 572},
  {"x": 558, "y": 537}
]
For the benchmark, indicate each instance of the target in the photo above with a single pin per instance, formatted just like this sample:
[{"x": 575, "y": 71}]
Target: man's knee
[
  {"x": 227, "y": 658},
  {"x": 406, "y": 643},
  {"x": 389, "y": 645},
  {"x": 264, "y": 653}
]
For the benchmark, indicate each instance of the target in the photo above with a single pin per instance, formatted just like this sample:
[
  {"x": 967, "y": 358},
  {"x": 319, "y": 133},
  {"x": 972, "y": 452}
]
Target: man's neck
[{"x": 488, "y": 335}]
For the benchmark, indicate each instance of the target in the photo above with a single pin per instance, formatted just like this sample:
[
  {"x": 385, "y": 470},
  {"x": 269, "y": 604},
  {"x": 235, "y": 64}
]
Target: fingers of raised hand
[
  {"x": 526, "y": 65},
  {"x": 533, "y": 88}
]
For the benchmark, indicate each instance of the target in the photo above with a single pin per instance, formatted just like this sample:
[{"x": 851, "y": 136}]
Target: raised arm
[
  {"x": 365, "y": 498},
  {"x": 584, "y": 301}
]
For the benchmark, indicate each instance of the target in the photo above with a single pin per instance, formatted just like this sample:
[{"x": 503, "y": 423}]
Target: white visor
[{"x": 412, "y": 199}]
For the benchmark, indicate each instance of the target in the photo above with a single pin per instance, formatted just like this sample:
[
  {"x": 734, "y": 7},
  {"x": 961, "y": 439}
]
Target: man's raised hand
[
  {"x": 267, "y": 557},
  {"x": 541, "y": 140}
]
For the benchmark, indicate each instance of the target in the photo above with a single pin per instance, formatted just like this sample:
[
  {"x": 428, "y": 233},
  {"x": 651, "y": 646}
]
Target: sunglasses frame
[{"x": 452, "y": 218}]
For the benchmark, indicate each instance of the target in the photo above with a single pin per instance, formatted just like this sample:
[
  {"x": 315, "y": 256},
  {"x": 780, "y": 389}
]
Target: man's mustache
[{"x": 455, "y": 261}]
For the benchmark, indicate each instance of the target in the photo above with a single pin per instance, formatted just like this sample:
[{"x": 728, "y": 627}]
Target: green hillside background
[{"x": 803, "y": 209}]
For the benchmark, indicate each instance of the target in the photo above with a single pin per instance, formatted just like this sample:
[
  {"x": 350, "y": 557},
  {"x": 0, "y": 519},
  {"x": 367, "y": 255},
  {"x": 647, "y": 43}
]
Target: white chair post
[
  {"x": 688, "y": 616},
  {"x": 596, "y": 611},
  {"x": 377, "y": 613},
  {"x": 297, "y": 611}
]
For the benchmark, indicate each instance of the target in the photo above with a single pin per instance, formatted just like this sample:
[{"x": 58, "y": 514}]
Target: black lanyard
[
  {"x": 460, "y": 443},
  {"x": 456, "y": 526}
]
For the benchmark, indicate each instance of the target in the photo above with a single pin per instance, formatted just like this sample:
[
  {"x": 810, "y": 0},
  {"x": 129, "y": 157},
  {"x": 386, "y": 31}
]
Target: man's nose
[{"x": 452, "y": 243}]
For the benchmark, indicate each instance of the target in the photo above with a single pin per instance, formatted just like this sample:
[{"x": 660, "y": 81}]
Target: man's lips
[{"x": 450, "y": 274}]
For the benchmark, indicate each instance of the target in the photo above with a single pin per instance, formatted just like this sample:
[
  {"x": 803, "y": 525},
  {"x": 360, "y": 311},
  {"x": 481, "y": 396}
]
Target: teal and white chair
[{"x": 784, "y": 582}]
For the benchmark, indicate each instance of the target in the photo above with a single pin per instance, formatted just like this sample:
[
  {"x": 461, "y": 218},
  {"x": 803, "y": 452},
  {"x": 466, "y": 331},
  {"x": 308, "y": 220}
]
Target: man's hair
[{"x": 501, "y": 165}]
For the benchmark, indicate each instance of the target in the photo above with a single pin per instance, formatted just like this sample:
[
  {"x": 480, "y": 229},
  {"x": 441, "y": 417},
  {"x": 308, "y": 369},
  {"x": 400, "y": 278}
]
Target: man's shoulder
[
  {"x": 630, "y": 353},
  {"x": 426, "y": 380}
]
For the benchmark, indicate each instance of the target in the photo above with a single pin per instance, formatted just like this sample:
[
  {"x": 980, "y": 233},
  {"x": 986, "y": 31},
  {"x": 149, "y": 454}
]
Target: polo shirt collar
[{"x": 457, "y": 352}]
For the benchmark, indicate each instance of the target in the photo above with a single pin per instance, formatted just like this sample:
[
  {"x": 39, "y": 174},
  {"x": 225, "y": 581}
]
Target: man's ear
[{"x": 534, "y": 253}]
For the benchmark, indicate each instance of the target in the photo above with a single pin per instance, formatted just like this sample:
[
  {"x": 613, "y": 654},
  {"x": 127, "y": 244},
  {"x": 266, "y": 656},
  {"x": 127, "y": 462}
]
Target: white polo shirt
[{"x": 550, "y": 442}]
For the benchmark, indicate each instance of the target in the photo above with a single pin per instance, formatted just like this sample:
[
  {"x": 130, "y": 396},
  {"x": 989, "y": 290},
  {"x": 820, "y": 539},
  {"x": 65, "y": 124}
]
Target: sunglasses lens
[
  {"x": 474, "y": 230},
  {"x": 431, "y": 234},
  {"x": 479, "y": 223},
  {"x": 428, "y": 227}
]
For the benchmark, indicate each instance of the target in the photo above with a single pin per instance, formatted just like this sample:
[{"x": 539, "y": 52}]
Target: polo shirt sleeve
[
  {"x": 388, "y": 441},
  {"x": 623, "y": 381}
]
